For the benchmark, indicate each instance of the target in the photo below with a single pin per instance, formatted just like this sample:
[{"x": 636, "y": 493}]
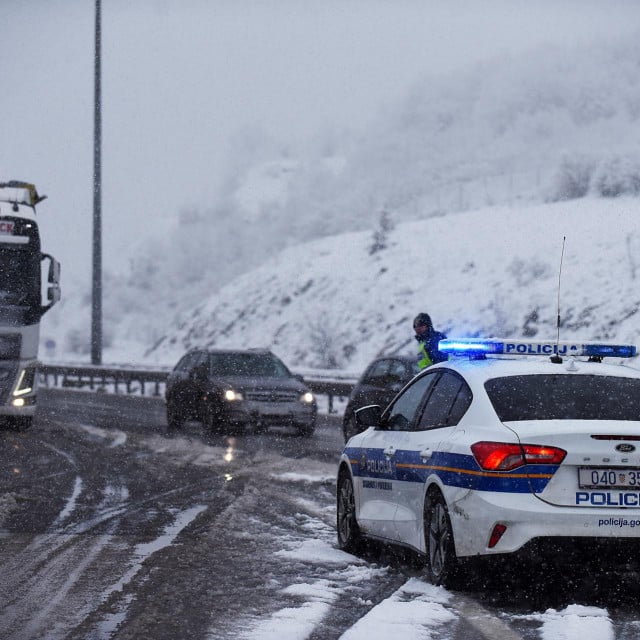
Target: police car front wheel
[{"x": 349, "y": 537}]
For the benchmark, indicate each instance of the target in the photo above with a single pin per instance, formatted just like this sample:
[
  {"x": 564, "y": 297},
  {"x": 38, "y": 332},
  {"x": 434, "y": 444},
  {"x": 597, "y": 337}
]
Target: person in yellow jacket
[{"x": 428, "y": 338}]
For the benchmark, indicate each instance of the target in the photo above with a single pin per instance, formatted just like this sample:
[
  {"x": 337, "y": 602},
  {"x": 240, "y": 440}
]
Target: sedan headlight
[
  {"x": 232, "y": 395},
  {"x": 307, "y": 397}
]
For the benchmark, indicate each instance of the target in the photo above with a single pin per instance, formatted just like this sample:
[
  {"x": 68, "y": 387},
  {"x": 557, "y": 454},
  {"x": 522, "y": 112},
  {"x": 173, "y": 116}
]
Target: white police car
[{"x": 486, "y": 453}]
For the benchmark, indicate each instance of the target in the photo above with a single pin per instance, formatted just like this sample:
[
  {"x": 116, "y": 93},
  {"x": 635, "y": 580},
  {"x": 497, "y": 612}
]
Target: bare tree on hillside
[
  {"x": 323, "y": 335},
  {"x": 381, "y": 233}
]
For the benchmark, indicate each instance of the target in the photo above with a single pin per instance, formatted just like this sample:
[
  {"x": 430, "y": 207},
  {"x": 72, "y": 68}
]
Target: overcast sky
[{"x": 182, "y": 78}]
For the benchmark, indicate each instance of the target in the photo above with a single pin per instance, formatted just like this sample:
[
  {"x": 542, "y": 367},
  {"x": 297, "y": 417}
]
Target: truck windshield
[
  {"x": 564, "y": 397},
  {"x": 19, "y": 285}
]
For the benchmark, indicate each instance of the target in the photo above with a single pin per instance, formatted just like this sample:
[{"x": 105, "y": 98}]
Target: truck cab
[{"x": 29, "y": 287}]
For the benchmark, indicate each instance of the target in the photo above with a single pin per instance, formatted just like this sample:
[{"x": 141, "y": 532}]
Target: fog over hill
[
  {"x": 340, "y": 301},
  {"x": 468, "y": 185}
]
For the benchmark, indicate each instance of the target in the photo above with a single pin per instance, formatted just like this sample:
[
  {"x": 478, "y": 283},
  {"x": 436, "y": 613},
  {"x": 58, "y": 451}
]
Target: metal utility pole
[{"x": 96, "y": 290}]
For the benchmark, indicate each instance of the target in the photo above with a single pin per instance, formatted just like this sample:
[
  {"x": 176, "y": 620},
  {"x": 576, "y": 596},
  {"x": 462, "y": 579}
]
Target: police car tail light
[
  {"x": 505, "y": 456},
  {"x": 496, "y": 534}
]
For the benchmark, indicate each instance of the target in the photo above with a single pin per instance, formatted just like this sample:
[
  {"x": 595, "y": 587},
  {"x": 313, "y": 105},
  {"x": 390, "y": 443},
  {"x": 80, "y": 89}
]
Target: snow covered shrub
[
  {"x": 618, "y": 175},
  {"x": 323, "y": 335},
  {"x": 525, "y": 272},
  {"x": 572, "y": 178}
]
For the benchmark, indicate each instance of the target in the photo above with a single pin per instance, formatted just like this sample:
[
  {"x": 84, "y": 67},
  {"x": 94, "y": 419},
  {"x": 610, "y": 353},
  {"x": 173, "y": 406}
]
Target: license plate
[
  {"x": 607, "y": 478},
  {"x": 274, "y": 410}
]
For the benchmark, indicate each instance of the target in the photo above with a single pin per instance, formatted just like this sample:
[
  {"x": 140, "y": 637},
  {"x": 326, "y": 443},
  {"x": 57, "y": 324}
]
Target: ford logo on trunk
[{"x": 625, "y": 448}]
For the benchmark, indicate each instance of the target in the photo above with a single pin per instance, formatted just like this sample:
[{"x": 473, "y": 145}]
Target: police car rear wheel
[
  {"x": 349, "y": 537},
  {"x": 441, "y": 562}
]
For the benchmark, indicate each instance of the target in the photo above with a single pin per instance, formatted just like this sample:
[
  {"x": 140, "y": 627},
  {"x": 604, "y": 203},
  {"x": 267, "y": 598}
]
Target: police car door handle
[
  {"x": 426, "y": 453},
  {"x": 389, "y": 451}
]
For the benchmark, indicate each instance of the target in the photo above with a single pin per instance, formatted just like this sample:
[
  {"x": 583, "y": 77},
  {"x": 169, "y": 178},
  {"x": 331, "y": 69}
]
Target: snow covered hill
[
  {"x": 340, "y": 301},
  {"x": 455, "y": 201}
]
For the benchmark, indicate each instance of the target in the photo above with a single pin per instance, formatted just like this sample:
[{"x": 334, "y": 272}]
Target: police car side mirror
[{"x": 369, "y": 416}]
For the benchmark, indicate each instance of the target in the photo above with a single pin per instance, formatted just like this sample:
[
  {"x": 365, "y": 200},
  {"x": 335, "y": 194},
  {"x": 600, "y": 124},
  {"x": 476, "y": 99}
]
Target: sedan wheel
[
  {"x": 210, "y": 418},
  {"x": 349, "y": 537},
  {"x": 174, "y": 420},
  {"x": 260, "y": 427},
  {"x": 442, "y": 563},
  {"x": 306, "y": 430}
]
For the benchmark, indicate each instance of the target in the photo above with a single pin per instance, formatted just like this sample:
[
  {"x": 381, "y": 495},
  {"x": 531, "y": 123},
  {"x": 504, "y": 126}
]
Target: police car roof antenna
[{"x": 556, "y": 358}]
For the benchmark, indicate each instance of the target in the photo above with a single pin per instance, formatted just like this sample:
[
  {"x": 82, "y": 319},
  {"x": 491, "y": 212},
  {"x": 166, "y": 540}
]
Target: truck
[{"x": 29, "y": 287}]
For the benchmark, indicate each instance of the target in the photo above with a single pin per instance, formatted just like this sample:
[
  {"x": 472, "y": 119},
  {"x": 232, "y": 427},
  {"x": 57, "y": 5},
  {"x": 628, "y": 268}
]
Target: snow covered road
[{"x": 110, "y": 527}]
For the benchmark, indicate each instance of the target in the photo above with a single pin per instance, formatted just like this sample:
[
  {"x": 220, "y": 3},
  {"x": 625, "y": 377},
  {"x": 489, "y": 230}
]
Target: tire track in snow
[
  {"x": 141, "y": 552},
  {"x": 46, "y": 559}
]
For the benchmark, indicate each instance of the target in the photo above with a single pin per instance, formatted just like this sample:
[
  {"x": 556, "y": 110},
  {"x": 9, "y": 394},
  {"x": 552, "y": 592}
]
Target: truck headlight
[
  {"x": 26, "y": 381},
  {"x": 231, "y": 396}
]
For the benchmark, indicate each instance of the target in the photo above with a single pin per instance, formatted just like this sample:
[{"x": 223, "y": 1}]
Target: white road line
[
  {"x": 485, "y": 622},
  {"x": 417, "y": 610}
]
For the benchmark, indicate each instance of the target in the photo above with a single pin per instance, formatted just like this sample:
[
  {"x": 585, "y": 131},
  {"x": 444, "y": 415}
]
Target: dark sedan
[
  {"x": 379, "y": 384},
  {"x": 234, "y": 389}
]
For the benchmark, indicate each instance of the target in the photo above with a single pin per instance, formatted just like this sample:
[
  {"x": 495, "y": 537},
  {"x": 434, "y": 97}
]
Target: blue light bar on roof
[
  {"x": 471, "y": 346},
  {"x": 497, "y": 346},
  {"x": 609, "y": 350}
]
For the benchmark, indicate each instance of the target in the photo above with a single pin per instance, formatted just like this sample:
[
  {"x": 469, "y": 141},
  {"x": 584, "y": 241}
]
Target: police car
[{"x": 511, "y": 443}]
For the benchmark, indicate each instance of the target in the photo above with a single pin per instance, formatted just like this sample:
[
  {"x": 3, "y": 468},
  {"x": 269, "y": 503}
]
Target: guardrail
[
  {"x": 104, "y": 378},
  {"x": 152, "y": 381}
]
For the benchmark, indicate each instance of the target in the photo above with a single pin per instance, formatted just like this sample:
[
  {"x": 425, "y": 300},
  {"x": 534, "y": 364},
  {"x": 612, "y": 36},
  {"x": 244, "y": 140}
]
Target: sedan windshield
[
  {"x": 247, "y": 364},
  {"x": 564, "y": 397}
]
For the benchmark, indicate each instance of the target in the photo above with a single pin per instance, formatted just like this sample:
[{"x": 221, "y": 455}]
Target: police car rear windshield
[{"x": 564, "y": 397}]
